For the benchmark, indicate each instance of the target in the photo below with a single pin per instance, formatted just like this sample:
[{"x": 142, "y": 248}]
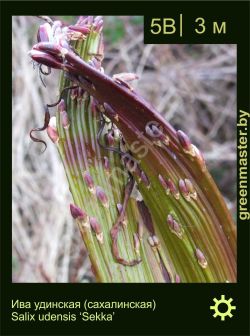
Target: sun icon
[{"x": 218, "y": 305}]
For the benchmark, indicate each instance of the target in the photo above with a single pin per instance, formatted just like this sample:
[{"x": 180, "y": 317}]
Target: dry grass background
[{"x": 193, "y": 86}]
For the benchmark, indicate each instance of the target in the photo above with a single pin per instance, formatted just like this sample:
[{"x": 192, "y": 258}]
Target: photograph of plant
[{"x": 123, "y": 155}]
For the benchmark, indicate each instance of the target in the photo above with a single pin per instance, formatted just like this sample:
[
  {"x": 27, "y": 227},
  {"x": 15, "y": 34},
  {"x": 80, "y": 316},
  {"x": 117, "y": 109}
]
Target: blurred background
[{"x": 192, "y": 85}]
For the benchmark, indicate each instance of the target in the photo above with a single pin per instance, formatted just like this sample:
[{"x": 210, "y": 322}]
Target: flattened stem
[
  {"x": 131, "y": 114},
  {"x": 126, "y": 103}
]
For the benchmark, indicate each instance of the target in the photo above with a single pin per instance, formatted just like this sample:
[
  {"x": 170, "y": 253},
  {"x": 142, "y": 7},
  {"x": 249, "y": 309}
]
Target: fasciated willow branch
[
  {"x": 189, "y": 235},
  {"x": 127, "y": 106}
]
